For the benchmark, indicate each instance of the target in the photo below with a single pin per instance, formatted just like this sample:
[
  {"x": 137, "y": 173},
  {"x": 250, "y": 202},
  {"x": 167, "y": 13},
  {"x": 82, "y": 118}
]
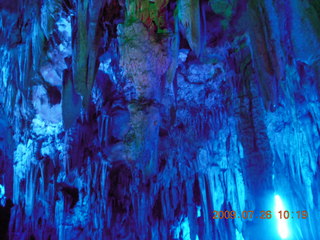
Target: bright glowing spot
[
  {"x": 2, "y": 196},
  {"x": 283, "y": 228},
  {"x": 198, "y": 211},
  {"x": 2, "y": 191}
]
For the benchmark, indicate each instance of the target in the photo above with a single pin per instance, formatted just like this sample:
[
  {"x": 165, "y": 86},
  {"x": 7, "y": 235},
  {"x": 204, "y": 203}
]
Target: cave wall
[{"x": 138, "y": 119}]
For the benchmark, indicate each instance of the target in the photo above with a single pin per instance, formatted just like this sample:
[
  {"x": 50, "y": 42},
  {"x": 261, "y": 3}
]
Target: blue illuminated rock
[{"x": 139, "y": 119}]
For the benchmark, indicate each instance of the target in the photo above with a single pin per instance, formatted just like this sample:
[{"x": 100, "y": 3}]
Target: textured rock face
[{"x": 138, "y": 119}]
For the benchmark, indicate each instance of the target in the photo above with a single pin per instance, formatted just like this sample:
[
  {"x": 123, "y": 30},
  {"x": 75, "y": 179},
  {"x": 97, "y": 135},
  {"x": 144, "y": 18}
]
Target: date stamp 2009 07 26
[{"x": 262, "y": 214}]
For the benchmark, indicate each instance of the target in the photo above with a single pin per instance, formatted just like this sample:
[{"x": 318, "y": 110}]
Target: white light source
[
  {"x": 2, "y": 196},
  {"x": 283, "y": 228},
  {"x": 2, "y": 191}
]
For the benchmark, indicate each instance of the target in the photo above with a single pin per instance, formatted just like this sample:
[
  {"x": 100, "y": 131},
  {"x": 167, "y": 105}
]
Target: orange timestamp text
[{"x": 261, "y": 214}]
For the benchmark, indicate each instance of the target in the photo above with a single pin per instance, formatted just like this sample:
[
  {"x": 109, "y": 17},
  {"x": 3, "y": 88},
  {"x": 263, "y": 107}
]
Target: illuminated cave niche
[{"x": 282, "y": 224}]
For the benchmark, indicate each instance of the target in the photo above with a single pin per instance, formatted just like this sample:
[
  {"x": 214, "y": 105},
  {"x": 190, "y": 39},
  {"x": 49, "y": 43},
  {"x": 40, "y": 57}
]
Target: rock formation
[{"x": 138, "y": 119}]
